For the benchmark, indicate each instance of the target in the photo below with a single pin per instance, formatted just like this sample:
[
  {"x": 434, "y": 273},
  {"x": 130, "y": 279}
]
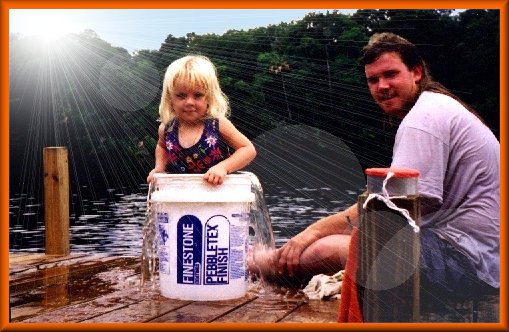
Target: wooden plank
[
  {"x": 202, "y": 311},
  {"x": 314, "y": 311},
  {"x": 42, "y": 261},
  {"x": 39, "y": 277},
  {"x": 142, "y": 311},
  {"x": 98, "y": 289},
  {"x": 77, "y": 312},
  {"x": 61, "y": 289},
  {"x": 19, "y": 263},
  {"x": 269, "y": 308},
  {"x": 73, "y": 274},
  {"x": 24, "y": 258}
]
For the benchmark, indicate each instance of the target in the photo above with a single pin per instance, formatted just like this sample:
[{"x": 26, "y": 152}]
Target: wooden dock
[
  {"x": 106, "y": 289},
  {"x": 101, "y": 288}
]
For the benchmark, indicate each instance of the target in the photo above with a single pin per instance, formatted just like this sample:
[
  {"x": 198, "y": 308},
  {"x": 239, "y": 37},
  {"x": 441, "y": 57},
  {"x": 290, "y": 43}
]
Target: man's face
[{"x": 392, "y": 84}]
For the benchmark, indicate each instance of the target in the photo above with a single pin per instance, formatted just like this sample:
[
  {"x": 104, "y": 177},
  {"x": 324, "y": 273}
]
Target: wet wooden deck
[
  {"x": 101, "y": 288},
  {"x": 106, "y": 289}
]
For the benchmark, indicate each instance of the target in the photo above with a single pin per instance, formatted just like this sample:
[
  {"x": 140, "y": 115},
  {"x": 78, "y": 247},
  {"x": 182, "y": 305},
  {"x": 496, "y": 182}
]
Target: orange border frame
[{"x": 502, "y": 5}]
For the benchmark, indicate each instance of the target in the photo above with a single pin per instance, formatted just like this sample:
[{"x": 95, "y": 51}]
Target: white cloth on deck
[{"x": 324, "y": 287}]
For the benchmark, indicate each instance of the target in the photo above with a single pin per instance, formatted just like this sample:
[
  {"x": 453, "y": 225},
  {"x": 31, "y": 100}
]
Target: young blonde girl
[{"x": 194, "y": 135}]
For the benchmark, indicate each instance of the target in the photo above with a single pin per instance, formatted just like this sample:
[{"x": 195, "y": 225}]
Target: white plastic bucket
[{"x": 203, "y": 233}]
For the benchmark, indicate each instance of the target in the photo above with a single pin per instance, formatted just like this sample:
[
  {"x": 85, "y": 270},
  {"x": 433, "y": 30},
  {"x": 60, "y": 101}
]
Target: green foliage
[{"x": 102, "y": 102}]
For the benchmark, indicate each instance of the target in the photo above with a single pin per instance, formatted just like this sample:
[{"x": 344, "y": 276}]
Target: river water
[{"x": 114, "y": 224}]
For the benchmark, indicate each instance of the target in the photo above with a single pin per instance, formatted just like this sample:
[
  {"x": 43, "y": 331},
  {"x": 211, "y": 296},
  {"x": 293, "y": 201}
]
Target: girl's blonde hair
[{"x": 194, "y": 71}]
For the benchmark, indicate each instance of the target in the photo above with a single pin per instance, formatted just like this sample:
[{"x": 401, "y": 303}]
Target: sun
[
  {"x": 53, "y": 29},
  {"x": 47, "y": 24}
]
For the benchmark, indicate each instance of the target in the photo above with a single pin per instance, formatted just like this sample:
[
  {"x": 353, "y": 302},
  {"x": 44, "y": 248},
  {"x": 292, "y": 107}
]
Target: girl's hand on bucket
[
  {"x": 150, "y": 177},
  {"x": 215, "y": 175}
]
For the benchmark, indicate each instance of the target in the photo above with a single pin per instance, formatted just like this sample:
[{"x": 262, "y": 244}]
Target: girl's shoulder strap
[
  {"x": 212, "y": 123},
  {"x": 171, "y": 126}
]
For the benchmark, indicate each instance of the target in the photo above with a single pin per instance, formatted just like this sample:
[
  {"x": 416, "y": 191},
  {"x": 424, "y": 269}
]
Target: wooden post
[
  {"x": 56, "y": 200},
  {"x": 388, "y": 277}
]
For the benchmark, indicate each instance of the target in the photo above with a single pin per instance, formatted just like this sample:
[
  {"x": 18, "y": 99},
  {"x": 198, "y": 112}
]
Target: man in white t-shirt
[{"x": 458, "y": 158}]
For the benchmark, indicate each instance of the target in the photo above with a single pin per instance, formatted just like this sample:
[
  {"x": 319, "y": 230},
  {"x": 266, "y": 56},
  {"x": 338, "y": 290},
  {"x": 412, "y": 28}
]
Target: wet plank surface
[
  {"x": 105, "y": 289},
  {"x": 101, "y": 288}
]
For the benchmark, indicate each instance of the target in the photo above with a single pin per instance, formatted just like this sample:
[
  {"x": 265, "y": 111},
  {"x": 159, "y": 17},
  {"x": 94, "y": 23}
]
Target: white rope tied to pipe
[{"x": 386, "y": 199}]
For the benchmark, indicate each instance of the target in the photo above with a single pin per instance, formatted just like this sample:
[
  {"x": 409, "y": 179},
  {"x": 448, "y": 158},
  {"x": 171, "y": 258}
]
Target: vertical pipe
[
  {"x": 56, "y": 200},
  {"x": 389, "y": 262}
]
